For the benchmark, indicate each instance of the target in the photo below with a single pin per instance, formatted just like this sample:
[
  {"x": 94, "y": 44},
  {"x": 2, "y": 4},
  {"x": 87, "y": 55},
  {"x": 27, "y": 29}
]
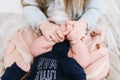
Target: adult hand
[{"x": 52, "y": 32}]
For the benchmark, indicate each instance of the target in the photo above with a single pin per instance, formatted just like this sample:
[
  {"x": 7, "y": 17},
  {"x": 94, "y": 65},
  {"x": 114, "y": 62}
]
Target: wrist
[
  {"x": 74, "y": 42},
  {"x": 83, "y": 23},
  {"x": 79, "y": 44},
  {"x": 42, "y": 25}
]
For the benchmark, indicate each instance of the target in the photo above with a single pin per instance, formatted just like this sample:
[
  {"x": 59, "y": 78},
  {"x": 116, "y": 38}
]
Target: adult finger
[
  {"x": 54, "y": 37},
  {"x": 71, "y": 36},
  {"x": 47, "y": 37},
  {"x": 73, "y": 32},
  {"x": 77, "y": 35},
  {"x": 57, "y": 37},
  {"x": 60, "y": 35}
]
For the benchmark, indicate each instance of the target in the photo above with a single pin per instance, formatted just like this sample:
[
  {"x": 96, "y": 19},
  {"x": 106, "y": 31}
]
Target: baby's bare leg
[
  {"x": 11, "y": 55},
  {"x": 19, "y": 47},
  {"x": 41, "y": 45},
  {"x": 80, "y": 53}
]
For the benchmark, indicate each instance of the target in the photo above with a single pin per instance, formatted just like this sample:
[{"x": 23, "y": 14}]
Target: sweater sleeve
[
  {"x": 13, "y": 73},
  {"x": 91, "y": 13},
  {"x": 33, "y": 14}
]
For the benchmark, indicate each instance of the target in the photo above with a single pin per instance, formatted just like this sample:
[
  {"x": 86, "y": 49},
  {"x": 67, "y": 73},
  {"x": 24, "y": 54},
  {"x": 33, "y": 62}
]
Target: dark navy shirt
[{"x": 45, "y": 66}]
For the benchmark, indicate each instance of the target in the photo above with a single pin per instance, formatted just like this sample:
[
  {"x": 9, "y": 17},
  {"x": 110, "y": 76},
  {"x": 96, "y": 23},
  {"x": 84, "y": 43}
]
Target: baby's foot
[{"x": 24, "y": 66}]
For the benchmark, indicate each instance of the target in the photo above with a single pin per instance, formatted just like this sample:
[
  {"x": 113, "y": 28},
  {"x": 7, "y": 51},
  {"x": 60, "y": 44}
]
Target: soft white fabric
[{"x": 8, "y": 6}]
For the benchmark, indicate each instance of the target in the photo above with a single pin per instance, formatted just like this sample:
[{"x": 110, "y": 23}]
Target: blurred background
[
  {"x": 110, "y": 18},
  {"x": 8, "y": 6}
]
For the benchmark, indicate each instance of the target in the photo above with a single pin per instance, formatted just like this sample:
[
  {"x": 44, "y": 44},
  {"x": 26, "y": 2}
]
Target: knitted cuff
[{"x": 13, "y": 73}]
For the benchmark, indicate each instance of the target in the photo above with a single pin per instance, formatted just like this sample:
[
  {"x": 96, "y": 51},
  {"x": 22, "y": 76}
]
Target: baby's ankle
[{"x": 24, "y": 66}]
